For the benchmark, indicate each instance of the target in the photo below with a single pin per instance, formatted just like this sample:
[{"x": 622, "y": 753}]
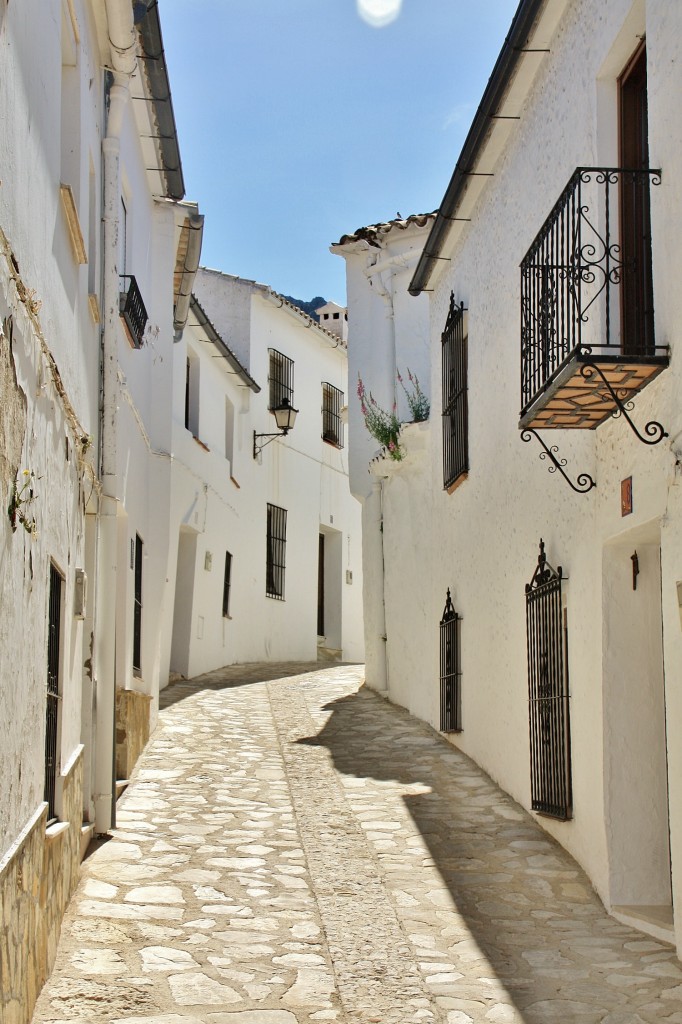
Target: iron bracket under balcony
[
  {"x": 587, "y": 323},
  {"x": 132, "y": 310}
]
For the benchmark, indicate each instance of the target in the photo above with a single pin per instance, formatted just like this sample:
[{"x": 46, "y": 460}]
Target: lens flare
[{"x": 379, "y": 12}]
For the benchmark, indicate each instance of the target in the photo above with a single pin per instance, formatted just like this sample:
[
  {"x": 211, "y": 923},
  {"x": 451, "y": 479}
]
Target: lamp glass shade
[{"x": 285, "y": 415}]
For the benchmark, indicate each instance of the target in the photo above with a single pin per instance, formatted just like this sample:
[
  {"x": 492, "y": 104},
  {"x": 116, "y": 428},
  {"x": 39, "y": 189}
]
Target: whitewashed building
[
  {"x": 563, "y": 217},
  {"x": 265, "y": 545},
  {"x": 97, "y": 258}
]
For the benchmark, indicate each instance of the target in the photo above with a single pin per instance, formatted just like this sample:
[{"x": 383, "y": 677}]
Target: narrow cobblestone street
[{"x": 294, "y": 850}]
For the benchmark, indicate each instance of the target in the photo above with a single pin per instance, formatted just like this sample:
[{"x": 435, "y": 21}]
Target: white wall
[
  {"x": 49, "y": 375},
  {"x": 225, "y": 503},
  {"x": 482, "y": 540},
  {"x": 388, "y": 333}
]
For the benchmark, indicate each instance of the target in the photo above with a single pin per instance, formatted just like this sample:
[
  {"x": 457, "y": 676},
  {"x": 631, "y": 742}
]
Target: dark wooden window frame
[{"x": 636, "y": 293}]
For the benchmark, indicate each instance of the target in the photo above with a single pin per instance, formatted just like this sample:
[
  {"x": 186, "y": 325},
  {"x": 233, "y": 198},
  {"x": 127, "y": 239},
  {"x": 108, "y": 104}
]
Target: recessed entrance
[{"x": 635, "y": 758}]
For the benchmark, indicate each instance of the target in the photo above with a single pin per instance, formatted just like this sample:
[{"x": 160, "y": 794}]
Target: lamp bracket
[{"x": 258, "y": 448}]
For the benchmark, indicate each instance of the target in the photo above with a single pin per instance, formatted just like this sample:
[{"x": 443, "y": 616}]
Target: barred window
[
  {"x": 455, "y": 404},
  {"x": 54, "y": 629},
  {"x": 450, "y": 689},
  {"x": 227, "y": 580},
  {"x": 332, "y": 403},
  {"x": 550, "y": 731},
  {"x": 280, "y": 379},
  {"x": 137, "y": 608},
  {"x": 276, "y": 552}
]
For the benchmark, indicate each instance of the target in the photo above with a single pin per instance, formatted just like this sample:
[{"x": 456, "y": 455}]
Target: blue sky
[{"x": 299, "y": 121}]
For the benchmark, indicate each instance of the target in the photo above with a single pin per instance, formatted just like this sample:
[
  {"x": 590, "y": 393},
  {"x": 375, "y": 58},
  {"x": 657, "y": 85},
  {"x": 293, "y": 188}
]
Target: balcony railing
[
  {"x": 132, "y": 310},
  {"x": 587, "y": 298}
]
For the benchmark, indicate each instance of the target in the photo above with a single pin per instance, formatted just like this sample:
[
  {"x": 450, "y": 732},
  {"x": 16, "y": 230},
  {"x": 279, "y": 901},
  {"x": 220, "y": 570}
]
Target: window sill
[
  {"x": 55, "y": 830},
  {"x": 457, "y": 483},
  {"x": 237, "y": 485},
  {"x": 201, "y": 443}
]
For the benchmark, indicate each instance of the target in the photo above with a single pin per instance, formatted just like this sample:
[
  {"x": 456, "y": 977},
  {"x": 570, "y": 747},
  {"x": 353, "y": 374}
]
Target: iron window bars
[
  {"x": 52, "y": 708},
  {"x": 280, "y": 379},
  {"x": 332, "y": 403},
  {"x": 276, "y": 552},
  {"x": 455, "y": 403},
  {"x": 227, "y": 579},
  {"x": 132, "y": 310},
  {"x": 450, "y": 674},
  {"x": 590, "y": 262},
  {"x": 548, "y": 696},
  {"x": 137, "y": 609}
]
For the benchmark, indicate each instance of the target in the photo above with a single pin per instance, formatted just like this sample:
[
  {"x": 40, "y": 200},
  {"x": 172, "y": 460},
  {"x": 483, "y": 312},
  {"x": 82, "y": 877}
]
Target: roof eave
[
  {"x": 151, "y": 42},
  {"x": 226, "y": 352}
]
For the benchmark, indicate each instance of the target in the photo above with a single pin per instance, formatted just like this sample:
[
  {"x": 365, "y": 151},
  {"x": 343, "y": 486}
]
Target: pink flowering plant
[
  {"x": 382, "y": 425},
  {"x": 385, "y": 426},
  {"x": 420, "y": 407}
]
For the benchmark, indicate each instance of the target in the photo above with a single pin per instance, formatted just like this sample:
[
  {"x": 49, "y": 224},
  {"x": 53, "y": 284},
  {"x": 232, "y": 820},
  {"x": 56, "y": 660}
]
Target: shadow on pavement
[
  {"x": 233, "y": 676},
  {"x": 540, "y": 929}
]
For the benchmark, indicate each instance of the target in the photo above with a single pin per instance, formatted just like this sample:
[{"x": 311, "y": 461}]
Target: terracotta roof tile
[{"x": 374, "y": 232}]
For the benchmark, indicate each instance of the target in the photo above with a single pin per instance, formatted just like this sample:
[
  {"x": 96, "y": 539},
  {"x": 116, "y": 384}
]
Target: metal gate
[
  {"x": 548, "y": 696},
  {"x": 52, "y": 710},
  {"x": 450, "y": 695}
]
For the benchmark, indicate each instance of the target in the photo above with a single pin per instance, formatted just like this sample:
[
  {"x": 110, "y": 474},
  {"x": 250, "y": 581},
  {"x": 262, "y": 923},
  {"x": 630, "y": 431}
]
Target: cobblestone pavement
[{"x": 292, "y": 850}]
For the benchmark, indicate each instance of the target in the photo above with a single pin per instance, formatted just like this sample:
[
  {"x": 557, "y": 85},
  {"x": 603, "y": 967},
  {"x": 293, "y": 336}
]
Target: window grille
[
  {"x": 550, "y": 734},
  {"x": 188, "y": 376},
  {"x": 280, "y": 379},
  {"x": 52, "y": 709},
  {"x": 450, "y": 675},
  {"x": 137, "y": 611},
  {"x": 226, "y": 584},
  {"x": 455, "y": 405},
  {"x": 276, "y": 552},
  {"x": 332, "y": 403},
  {"x": 132, "y": 309}
]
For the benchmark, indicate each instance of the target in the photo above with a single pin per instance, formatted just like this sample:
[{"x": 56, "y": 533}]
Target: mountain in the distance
[{"x": 307, "y": 307}]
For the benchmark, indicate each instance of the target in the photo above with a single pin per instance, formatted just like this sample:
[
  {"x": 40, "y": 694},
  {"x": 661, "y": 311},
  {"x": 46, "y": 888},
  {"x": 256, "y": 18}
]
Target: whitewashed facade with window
[
  {"x": 244, "y": 592},
  {"x": 90, "y": 196},
  {"x": 560, "y": 98}
]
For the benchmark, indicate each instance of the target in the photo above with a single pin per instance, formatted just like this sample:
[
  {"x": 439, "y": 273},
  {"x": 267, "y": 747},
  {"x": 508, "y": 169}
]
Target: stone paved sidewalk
[{"x": 292, "y": 850}]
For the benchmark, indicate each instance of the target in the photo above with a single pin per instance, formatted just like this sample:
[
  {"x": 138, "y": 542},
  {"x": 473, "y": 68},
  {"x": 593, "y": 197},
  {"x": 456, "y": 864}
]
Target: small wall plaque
[{"x": 626, "y": 496}]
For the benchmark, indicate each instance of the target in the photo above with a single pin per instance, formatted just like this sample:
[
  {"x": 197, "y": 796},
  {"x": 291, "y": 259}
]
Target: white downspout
[{"x": 124, "y": 61}]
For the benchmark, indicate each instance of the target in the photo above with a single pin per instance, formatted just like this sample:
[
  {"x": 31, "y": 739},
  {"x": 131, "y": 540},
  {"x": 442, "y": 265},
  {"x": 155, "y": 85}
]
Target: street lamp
[{"x": 285, "y": 417}]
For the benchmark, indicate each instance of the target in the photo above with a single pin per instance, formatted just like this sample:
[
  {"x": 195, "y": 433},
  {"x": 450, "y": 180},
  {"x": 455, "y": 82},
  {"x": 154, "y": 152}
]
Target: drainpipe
[{"x": 123, "y": 42}]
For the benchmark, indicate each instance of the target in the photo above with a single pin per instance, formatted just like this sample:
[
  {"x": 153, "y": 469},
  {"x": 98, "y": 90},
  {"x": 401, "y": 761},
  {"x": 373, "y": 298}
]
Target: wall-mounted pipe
[{"x": 123, "y": 40}]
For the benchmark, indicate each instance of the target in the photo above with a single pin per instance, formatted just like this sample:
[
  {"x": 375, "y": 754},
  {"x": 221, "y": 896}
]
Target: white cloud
[{"x": 379, "y": 12}]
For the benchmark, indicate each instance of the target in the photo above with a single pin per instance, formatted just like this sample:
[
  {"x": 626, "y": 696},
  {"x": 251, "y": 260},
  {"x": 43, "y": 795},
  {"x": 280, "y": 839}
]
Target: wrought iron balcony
[
  {"x": 132, "y": 310},
  {"x": 587, "y": 318}
]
